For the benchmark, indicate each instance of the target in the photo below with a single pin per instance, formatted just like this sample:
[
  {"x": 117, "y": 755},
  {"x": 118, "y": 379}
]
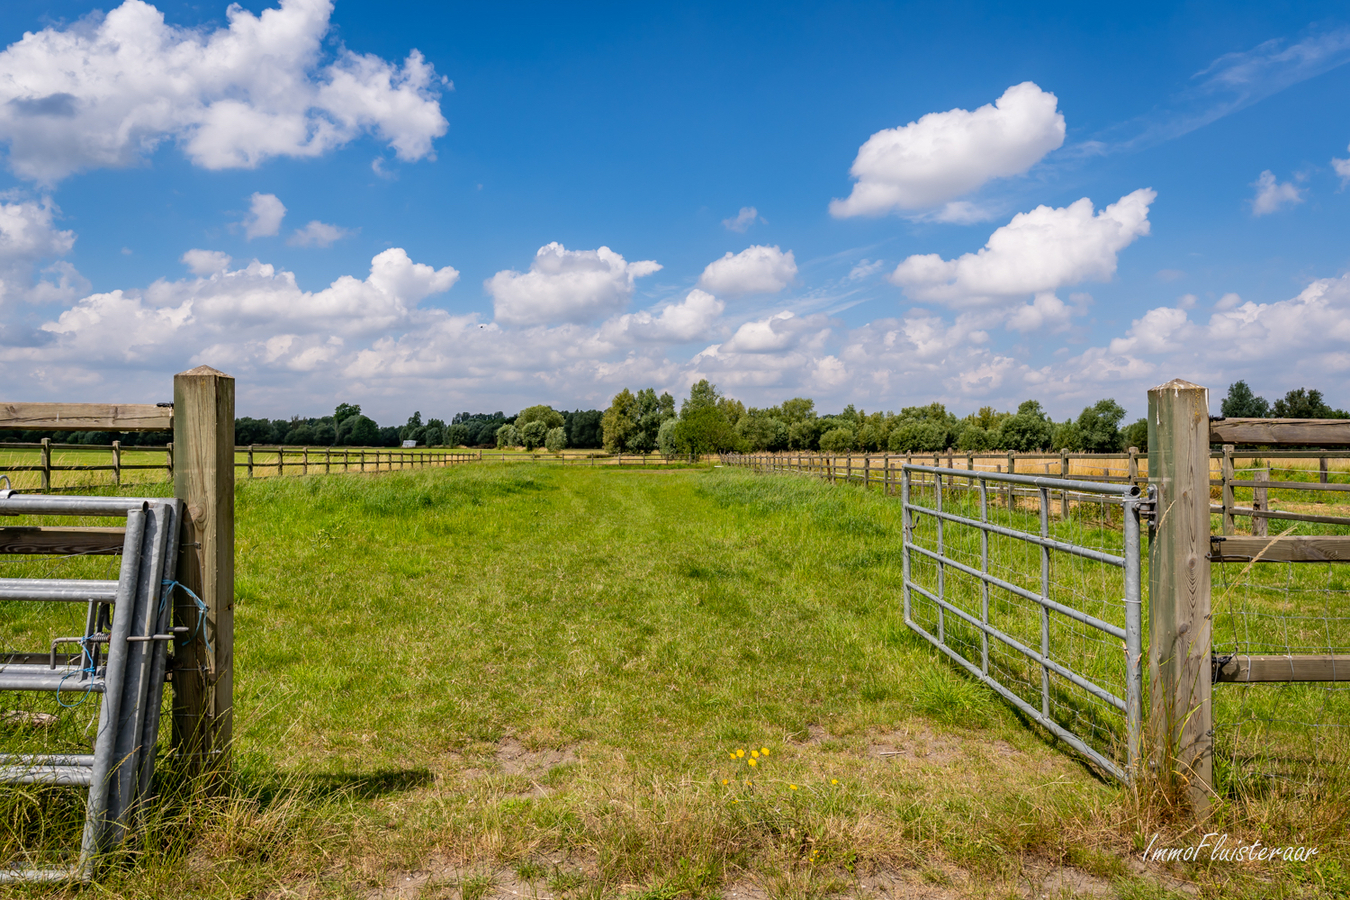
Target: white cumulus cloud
[
  {"x": 29, "y": 237},
  {"x": 317, "y": 234},
  {"x": 689, "y": 320},
  {"x": 106, "y": 90},
  {"x": 265, "y": 213},
  {"x": 755, "y": 270},
  {"x": 943, "y": 155},
  {"x": 1272, "y": 194},
  {"x": 566, "y": 286},
  {"x": 1037, "y": 252},
  {"x": 206, "y": 262}
]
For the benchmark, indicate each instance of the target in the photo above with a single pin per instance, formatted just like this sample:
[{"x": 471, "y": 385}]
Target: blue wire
[{"x": 170, "y": 584}]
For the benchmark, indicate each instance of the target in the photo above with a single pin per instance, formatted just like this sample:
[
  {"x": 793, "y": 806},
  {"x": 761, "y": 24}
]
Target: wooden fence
[{"x": 124, "y": 463}]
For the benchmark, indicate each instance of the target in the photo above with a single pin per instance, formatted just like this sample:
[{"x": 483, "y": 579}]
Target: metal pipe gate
[
  {"x": 121, "y": 659},
  {"x": 1039, "y": 614}
]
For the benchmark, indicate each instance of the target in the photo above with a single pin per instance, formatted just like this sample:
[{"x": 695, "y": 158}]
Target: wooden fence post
[
  {"x": 168, "y": 460},
  {"x": 1132, "y": 468},
  {"x": 1322, "y": 470},
  {"x": 203, "y": 675},
  {"x": 1011, "y": 501},
  {"x": 46, "y": 465},
  {"x": 250, "y": 460},
  {"x": 1226, "y": 490},
  {"x": 117, "y": 462},
  {"x": 1064, "y": 473},
  {"x": 1180, "y": 719},
  {"x": 1260, "y": 501}
]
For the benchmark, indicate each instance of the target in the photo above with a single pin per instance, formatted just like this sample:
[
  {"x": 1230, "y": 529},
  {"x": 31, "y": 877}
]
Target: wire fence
[{"x": 1291, "y": 736}]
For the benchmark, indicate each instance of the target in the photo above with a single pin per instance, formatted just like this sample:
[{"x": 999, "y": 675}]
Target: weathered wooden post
[
  {"x": 1179, "y": 589},
  {"x": 1322, "y": 470},
  {"x": 1261, "y": 501},
  {"x": 1064, "y": 473},
  {"x": 168, "y": 461},
  {"x": 1011, "y": 464},
  {"x": 250, "y": 460},
  {"x": 1226, "y": 490},
  {"x": 117, "y": 462},
  {"x": 46, "y": 465},
  {"x": 203, "y": 673}
]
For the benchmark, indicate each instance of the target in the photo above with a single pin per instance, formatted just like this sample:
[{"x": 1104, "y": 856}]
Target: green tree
[
  {"x": 414, "y": 430},
  {"x": 358, "y": 431},
  {"x": 1030, "y": 429},
  {"x": 974, "y": 439},
  {"x": 555, "y": 440},
  {"x": 798, "y": 409},
  {"x": 546, "y": 414},
  {"x": 344, "y": 412},
  {"x": 702, "y": 430},
  {"x": 804, "y": 435},
  {"x": 507, "y": 436},
  {"x": 837, "y": 440},
  {"x": 1099, "y": 427},
  {"x": 1136, "y": 435},
  {"x": 457, "y": 435},
  {"x": 1241, "y": 403},
  {"x": 532, "y": 434},
  {"x": 619, "y": 421},
  {"x": 701, "y": 395},
  {"x": 918, "y": 436},
  {"x": 1305, "y": 404},
  {"x": 665, "y": 438}
]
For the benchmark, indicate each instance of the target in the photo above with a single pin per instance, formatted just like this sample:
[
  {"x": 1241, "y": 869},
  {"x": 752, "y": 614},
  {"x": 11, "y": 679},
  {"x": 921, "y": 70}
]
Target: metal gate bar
[{"x": 942, "y": 480}]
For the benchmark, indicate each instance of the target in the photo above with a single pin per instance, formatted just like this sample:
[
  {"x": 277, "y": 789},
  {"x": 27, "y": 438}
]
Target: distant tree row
[{"x": 710, "y": 422}]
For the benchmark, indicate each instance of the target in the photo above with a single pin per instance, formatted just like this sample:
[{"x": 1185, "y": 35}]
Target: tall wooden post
[
  {"x": 117, "y": 462},
  {"x": 1181, "y": 721},
  {"x": 1064, "y": 473},
  {"x": 203, "y": 675},
  {"x": 1261, "y": 501},
  {"x": 46, "y": 465},
  {"x": 1226, "y": 491}
]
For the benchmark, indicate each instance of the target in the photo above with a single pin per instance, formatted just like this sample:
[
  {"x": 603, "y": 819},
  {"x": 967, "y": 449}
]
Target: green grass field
[{"x": 520, "y": 680}]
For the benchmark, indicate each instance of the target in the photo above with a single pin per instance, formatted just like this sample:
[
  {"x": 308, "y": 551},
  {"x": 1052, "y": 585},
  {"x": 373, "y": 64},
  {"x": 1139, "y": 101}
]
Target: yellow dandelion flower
[
  {"x": 764, "y": 750},
  {"x": 755, "y": 754},
  {"x": 747, "y": 781},
  {"x": 740, "y": 753},
  {"x": 733, "y": 755},
  {"x": 753, "y": 762},
  {"x": 725, "y": 780},
  {"x": 834, "y": 781},
  {"x": 793, "y": 786}
]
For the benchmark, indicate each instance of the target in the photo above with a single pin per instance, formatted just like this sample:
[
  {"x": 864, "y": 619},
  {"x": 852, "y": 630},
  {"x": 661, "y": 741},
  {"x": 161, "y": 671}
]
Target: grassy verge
[{"x": 471, "y": 681}]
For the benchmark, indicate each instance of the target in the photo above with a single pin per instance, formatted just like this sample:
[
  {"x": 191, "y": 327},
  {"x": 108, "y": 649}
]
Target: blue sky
[{"x": 404, "y": 205}]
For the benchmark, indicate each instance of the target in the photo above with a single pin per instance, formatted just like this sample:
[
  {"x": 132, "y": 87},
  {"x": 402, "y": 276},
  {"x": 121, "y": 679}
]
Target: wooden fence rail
[{"x": 249, "y": 462}]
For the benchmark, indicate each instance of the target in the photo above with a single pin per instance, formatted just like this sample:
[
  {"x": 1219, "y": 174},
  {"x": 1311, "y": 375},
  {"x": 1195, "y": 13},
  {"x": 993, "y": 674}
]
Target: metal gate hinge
[{"x": 1148, "y": 507}]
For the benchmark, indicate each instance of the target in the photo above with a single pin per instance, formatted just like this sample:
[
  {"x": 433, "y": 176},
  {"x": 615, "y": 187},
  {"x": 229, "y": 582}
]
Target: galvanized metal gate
[
  {"x": 120, "y": 659},
  {"x": 1045, "y": 610}
]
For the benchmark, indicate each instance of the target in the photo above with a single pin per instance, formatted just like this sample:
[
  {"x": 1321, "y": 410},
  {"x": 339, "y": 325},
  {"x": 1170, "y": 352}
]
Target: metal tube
[
  {"x": 159, "y": 661},
  {"x": 1084, "y": 487},
  {"x": 941, "y": 572},
  {"x": 984, "y": 585},
  {"x": 1045, "y": 597},
  {"x": 100, "y": 780},
  {"x": 44, "y": 505},
  {"x": 906, "y": 538},
  {"x": 1134, "y": 630},
  {"x": 136, "y": 683},
  {"x": 60, "y": 591}
]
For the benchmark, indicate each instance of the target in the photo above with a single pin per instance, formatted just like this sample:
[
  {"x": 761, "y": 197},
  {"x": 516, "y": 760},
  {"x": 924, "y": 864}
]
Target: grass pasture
[{"x": 529, "y": 680}]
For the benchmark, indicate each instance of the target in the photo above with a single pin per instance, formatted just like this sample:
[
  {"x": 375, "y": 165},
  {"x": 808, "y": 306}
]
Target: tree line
[{"x": 710, "y": 422}]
